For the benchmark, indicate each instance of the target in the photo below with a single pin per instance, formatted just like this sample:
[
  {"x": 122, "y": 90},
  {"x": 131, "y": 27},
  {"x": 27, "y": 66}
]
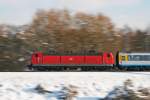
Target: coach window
[
  {"x": 137, "y": 58},
  {"x": 146, "y": 57},
  {"x": 143, "y": 58},
  {"x": 130, "y": 57}
]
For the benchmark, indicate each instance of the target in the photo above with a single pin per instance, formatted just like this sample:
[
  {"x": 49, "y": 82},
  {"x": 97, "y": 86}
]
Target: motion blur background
[{"x": 70, "y": 25}]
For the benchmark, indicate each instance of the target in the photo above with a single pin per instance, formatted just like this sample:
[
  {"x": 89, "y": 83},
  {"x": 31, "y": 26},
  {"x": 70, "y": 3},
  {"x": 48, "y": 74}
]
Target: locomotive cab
[{"x": 36, "y": 58}]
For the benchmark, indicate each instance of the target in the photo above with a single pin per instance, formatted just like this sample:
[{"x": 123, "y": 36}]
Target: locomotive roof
[{"x": 91, "y": 52}]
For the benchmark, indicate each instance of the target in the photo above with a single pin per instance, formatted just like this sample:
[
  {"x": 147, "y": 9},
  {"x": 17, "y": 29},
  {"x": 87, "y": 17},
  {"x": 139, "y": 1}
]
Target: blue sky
[{"x": 134, "y": 13}]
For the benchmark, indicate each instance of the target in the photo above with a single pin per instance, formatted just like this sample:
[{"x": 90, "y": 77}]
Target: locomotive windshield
[{"x": 123, "y": 58}]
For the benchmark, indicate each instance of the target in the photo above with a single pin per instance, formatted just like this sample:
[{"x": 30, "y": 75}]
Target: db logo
[{"x": 70, "y": 59}]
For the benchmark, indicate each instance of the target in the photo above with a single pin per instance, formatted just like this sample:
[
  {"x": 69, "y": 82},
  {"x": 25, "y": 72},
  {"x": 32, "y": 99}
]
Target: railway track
[{"x": 83, "y": 69}]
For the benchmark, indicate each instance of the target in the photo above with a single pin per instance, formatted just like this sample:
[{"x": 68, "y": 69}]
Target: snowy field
[{"x": 57, "y": 85}]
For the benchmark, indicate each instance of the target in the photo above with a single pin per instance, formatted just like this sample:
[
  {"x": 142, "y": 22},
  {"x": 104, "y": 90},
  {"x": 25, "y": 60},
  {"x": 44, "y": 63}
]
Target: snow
[{"x": 89, "y": 85}]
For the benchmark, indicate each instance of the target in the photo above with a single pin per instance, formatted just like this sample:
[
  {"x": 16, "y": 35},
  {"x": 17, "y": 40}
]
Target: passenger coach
[{"x": 133, "y": 60}]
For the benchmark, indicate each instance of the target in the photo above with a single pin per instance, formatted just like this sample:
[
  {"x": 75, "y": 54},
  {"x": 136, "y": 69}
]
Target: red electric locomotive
[{"x": 71, "y": 61}]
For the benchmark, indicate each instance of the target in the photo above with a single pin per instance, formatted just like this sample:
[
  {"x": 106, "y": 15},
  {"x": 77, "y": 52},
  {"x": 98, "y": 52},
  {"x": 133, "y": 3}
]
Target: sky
[{"x": 134, "y": 13}]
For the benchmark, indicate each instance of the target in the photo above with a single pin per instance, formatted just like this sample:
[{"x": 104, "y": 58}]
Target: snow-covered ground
[{"x": 55, "y": 85}]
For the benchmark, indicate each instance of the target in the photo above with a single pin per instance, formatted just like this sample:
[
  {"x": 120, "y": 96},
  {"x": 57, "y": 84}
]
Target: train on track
[{"x": 89, "y": 61}]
